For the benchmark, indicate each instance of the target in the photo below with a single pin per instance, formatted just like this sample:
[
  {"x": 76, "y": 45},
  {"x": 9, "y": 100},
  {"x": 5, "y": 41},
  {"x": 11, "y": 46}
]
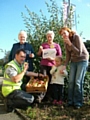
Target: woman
[
  {"x": 78, "y": 56},
  {"x": 47, "y": 62}
]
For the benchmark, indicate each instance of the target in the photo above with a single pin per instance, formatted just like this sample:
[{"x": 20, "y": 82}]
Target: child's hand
[
  {"x": 64, "y": 67},
  {"x": 61, "y": 72}
]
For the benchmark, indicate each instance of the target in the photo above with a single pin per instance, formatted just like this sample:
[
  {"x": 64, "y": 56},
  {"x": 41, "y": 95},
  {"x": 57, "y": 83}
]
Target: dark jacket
[{"x": 28, "y": 48}]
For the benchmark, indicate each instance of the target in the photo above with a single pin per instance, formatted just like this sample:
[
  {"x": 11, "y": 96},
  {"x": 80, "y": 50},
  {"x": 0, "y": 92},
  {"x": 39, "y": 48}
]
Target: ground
[
  {"x": 7, "y": 116},
  {"x": 3, "y": 114},
  {"x": 47, "y": 111}
]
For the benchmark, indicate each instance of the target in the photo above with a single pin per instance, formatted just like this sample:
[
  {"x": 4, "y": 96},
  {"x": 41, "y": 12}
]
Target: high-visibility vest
[{"x": 8, "y": 85}]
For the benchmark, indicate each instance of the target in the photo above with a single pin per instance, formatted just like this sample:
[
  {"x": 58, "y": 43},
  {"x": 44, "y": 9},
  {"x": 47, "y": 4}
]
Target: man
[
  {"x": 22, "y": 44},
  {"x": 11, "y": 87}
]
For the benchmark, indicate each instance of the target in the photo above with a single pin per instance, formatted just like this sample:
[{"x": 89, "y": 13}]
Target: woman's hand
[
  {"x": 67, "y": 41},
  {"x": 41, "y": 48},
  {"x": 40, "y": 51},
  {"x": 31, "y": 55},
  {"x": 50, "y": 58}
]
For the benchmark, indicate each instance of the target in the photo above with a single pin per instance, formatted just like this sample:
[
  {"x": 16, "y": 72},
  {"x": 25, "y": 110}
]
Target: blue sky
[{"x": 11, "y": 21}]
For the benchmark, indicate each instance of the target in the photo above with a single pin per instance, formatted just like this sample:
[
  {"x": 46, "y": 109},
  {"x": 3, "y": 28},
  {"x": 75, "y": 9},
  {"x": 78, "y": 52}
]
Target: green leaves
[{"x": 38, "y": 24}]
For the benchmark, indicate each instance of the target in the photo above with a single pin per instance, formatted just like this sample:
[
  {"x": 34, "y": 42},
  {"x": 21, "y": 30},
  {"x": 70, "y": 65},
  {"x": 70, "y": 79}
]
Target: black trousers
[
  {"x": 19, "y": 99},
  {"x": 57, "y": 91},
  {"x": 24, "y": 82}
]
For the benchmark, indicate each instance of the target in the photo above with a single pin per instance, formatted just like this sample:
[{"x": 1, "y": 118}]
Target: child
[{"x": 57, "y": 81}]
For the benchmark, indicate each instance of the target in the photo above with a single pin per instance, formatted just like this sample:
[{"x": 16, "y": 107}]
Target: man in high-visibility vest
[{"x": 11, "y": 87}]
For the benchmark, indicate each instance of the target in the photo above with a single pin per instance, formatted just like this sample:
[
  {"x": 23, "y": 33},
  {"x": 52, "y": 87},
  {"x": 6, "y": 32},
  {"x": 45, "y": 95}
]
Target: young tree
[{"x": 38, "y": 25}]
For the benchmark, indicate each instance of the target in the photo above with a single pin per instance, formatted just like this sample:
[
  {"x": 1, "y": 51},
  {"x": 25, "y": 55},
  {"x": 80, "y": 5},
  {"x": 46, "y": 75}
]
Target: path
[{"x": 3, "y": 114}]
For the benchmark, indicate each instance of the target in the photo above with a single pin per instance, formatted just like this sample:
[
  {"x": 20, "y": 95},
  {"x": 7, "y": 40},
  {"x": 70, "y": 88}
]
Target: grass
[{"x": 47, "y": 111}]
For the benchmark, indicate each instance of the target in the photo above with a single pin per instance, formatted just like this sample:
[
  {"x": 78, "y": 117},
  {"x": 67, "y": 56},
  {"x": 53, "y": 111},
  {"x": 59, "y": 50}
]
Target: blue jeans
[{"x": 76, "y": 80}]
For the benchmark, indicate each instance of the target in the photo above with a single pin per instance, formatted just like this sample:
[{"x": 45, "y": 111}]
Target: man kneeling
[{"x": 13, "y": 76}]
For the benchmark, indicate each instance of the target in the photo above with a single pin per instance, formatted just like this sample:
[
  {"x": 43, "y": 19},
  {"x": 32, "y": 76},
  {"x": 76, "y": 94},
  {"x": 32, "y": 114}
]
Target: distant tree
[
  {"x": 1, "y": 62},
  {"x": 4, "y": 60},
  {"x": 87, "y": 44},
  {"x": 6, "y": 57}
]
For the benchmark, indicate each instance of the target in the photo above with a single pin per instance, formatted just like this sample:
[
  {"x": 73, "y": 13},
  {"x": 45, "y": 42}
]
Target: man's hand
[
  {"x": 19, "y": 77},
  {"x": 25, "y": 66},
  {"x": 41, "y": 75}
]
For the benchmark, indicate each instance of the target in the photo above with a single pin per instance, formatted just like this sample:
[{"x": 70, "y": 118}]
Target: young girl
[{"x": 57, "y": 81}]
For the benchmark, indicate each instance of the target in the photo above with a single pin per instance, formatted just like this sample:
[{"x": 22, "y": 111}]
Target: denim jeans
[{"x": 76, "y": 80}]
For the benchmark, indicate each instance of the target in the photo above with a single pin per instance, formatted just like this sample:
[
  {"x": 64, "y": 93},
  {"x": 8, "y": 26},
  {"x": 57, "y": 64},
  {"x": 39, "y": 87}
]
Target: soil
[{"x": 47, "y": 111}]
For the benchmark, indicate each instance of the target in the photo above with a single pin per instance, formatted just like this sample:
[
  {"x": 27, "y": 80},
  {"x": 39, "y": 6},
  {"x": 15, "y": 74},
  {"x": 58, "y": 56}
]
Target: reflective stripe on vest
[
  {"x": 8, "y": 85},
  {"x": 7, "y": 79}
]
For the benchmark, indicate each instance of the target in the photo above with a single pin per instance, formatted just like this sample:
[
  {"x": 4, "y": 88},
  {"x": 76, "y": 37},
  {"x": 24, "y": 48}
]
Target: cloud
[{"x": 88, "y": 4}]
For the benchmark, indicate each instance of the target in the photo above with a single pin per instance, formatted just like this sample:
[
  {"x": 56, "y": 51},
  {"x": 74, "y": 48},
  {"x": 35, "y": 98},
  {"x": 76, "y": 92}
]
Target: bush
[{"x": 86, "y": 87}]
